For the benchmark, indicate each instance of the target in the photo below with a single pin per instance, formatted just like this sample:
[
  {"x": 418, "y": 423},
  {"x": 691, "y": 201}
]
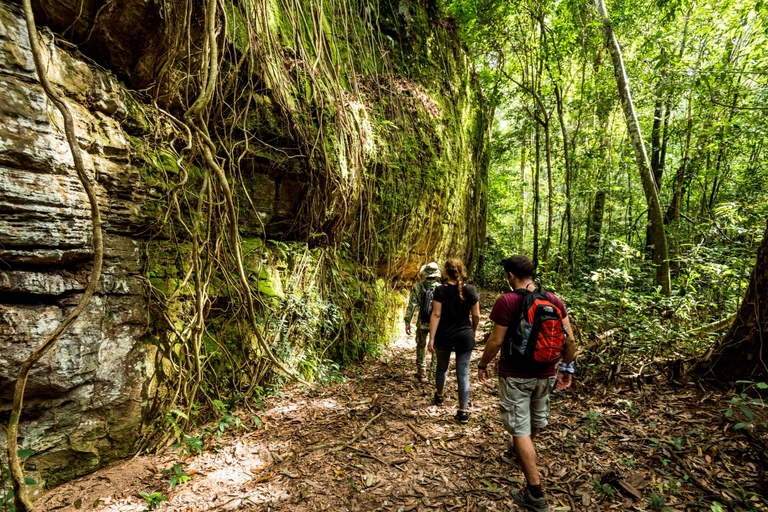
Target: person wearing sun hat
[{"x": 420, "y": 302}]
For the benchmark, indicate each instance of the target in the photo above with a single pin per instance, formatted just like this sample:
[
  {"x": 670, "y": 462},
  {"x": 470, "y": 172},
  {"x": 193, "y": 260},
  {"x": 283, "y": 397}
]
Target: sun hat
[{"x": 430, "y": 270}]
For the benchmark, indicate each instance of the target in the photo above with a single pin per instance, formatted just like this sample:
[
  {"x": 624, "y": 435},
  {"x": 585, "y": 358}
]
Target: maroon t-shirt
[{"x": 506, "y": 311}]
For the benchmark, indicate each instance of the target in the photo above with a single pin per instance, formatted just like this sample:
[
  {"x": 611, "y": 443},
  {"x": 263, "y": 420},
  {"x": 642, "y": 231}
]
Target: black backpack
[
  {"x": 538, "y": 335},
  {"x": 425, "y": 310}
]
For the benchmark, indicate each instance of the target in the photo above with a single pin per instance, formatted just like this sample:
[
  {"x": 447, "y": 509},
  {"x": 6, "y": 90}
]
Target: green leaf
[
  {"x": 729, "y": 413},
  {"x": 25, "y": 453},
  {"x": 762, "y": 385},
  {"x": 741, "y": 425},
  {"x": 30, "y": 481},
  {"x": 180, "y": 413},
  {"x": 747, "y": 413}
]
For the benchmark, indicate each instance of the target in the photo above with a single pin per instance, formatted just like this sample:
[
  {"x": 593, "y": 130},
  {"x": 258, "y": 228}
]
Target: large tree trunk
[
  {"x": 743, "y": 353},
  {"x": 536, "y": 176},
  {"x": 568, "y": 176},
  {"x": 523, "y": 187},
  {"x": 660, "y": 254},
  {"x": 550, "y": 191},
  {"x": 595, "y": 227}
]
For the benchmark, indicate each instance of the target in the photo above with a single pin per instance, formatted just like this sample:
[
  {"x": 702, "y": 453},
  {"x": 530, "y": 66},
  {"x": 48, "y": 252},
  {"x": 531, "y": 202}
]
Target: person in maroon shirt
[{"x": 524, "y": 386}]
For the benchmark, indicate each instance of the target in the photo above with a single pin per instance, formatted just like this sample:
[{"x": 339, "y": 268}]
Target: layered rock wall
[
  {"x": 415, "y": 192},
  {"x": 84, "y": 399}
]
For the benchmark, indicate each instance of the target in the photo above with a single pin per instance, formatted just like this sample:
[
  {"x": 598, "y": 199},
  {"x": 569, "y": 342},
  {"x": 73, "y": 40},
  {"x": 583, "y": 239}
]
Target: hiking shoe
[
  {"x": 524, "y": 498},
  {"x": 462, "y": 417},
  {"x": 438, "y": 400}
]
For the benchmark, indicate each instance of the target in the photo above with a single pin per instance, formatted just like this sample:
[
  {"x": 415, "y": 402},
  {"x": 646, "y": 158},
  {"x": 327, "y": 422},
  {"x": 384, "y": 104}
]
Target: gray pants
[
  {"x": 462, "y": 373},
  {"x": 524, "y": 403},
  {"x": 421, "y": 355}
]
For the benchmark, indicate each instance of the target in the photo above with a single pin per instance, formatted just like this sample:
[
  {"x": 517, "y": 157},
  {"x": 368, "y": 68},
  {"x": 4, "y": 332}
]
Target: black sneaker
[
  {"x": 524, "y": 498},
  {"x": 438, "y": 400},
  {"x": 462, "y": 417}
]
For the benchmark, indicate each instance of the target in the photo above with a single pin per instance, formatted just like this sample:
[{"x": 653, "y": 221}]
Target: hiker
[
  {"x": 451, "y": 331},
  {"x": 527, "y": 368},
  {"x": 421, "y": 302}
]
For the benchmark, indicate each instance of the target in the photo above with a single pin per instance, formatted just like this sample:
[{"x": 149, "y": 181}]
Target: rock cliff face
[
  {"x": 84, "y": 398},
  {"x": 416, "y": 154}
]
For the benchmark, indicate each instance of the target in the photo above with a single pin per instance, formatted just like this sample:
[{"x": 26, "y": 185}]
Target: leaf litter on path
[{"x": 376, "y": 443}]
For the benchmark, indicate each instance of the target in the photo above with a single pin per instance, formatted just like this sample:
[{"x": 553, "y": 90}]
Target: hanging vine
[{"x": 322, "y": 79}]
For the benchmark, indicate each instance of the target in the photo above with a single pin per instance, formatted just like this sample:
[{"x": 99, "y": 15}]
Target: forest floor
[{"x": 375, "y": 442}]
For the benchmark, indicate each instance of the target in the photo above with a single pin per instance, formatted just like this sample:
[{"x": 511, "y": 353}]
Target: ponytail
[{"x": 455, "y": 270}]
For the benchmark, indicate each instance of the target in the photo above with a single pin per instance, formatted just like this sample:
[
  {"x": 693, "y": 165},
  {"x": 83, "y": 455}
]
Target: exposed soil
[{"x": 375, "y": 442}]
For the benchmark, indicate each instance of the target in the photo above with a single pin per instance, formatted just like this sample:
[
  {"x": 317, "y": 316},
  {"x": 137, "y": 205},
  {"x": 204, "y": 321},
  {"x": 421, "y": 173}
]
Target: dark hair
[
  {"x": 454, "y": 269},
  {"x": 519, "y": 265}
]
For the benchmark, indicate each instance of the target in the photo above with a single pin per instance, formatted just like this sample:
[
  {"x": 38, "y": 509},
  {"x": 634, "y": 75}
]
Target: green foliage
[
  {"x": 6, "y": 501},
  {"x": 187, "y": 445},
  {"x": 742, "y": 404},
  {"x": 657, "y": 501},
  {"x": 605, "y": 489},
  {"x": 592, "y": 421},
  {"x": 153, "y": 500},
  {"x": 6, "y": 493},
  {"x": 698, "y": 90},
  {"x": 178, "y": 475}
]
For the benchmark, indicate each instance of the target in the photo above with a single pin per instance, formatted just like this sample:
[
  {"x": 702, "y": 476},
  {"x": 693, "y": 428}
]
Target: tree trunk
[
  {"x": 536, "y": 176},
  {"x": 661, "y": 254},
  {"x": 595, "y": 227},
  {"x": 673, "y": 212},
  {"x": 550, "y": 191},
  {"x": 743, "y": 353},
  {"x": 568, "y": 176},
  {"x": 523, "y": 187}
]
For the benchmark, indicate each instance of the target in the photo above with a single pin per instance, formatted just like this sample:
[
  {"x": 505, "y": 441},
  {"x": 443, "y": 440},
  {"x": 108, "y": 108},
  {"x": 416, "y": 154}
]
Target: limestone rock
[{"x": 84, "y": 398}]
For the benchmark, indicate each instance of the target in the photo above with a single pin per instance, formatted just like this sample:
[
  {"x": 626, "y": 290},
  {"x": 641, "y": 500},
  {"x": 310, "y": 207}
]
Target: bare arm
[
  {"x": 434, "y": 320},
  {"x": 564, "y": 380},
  {"x": 569, "y": 352},
  {"x": 491, "y": 349},
  {"x": 475, "y": 312}
]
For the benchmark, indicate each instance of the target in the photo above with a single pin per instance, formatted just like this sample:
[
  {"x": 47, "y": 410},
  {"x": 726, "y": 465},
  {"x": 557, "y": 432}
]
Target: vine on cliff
[
  {"x": 323, "y": 90},
  {"x": 21, "y": 498},
  {"x": 320, "y": 79}
]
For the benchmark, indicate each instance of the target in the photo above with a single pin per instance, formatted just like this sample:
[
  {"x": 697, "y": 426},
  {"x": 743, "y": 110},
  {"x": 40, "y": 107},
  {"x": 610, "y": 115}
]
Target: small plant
[
  {"x": 6, "y": 501},
  {"x": 227, "y": 419},
  {"x": 178, "y": 475},
  {"x": 628, "y": 461},
  {"x": 187, "y": 444},
  {"x": 743, "y": 403},
  {"x": 627, "y": 404},
  {"x": 6, "y": 495},
  {"x": 152, "y": 500},
  {"x": 656, "y": 501},
  {"x": 605, "y": 489},
  {"x": 591, "y": 421}
]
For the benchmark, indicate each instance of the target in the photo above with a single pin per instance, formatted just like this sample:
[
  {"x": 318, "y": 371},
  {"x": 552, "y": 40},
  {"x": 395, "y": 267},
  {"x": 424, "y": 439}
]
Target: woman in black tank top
[{"x": 452, "y": 331}]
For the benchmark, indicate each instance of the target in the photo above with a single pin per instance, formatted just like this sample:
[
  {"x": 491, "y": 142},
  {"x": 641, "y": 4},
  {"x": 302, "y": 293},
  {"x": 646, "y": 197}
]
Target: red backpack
[{"x": 539, "y": 336}]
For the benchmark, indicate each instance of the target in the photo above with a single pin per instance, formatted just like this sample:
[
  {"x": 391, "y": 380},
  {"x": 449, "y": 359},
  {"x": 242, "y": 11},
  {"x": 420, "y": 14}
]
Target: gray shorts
[{"x": 524, "y": 403}]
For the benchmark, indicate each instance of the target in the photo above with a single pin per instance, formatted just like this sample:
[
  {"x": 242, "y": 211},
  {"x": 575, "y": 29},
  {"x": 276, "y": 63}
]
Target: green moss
[
  {"x": 270, "y": 284},
  {"x": 237, "y": 31}
]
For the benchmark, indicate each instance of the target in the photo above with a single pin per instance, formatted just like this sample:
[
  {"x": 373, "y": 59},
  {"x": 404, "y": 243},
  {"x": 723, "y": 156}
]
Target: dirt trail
[{"x": 375, "y": 442}]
